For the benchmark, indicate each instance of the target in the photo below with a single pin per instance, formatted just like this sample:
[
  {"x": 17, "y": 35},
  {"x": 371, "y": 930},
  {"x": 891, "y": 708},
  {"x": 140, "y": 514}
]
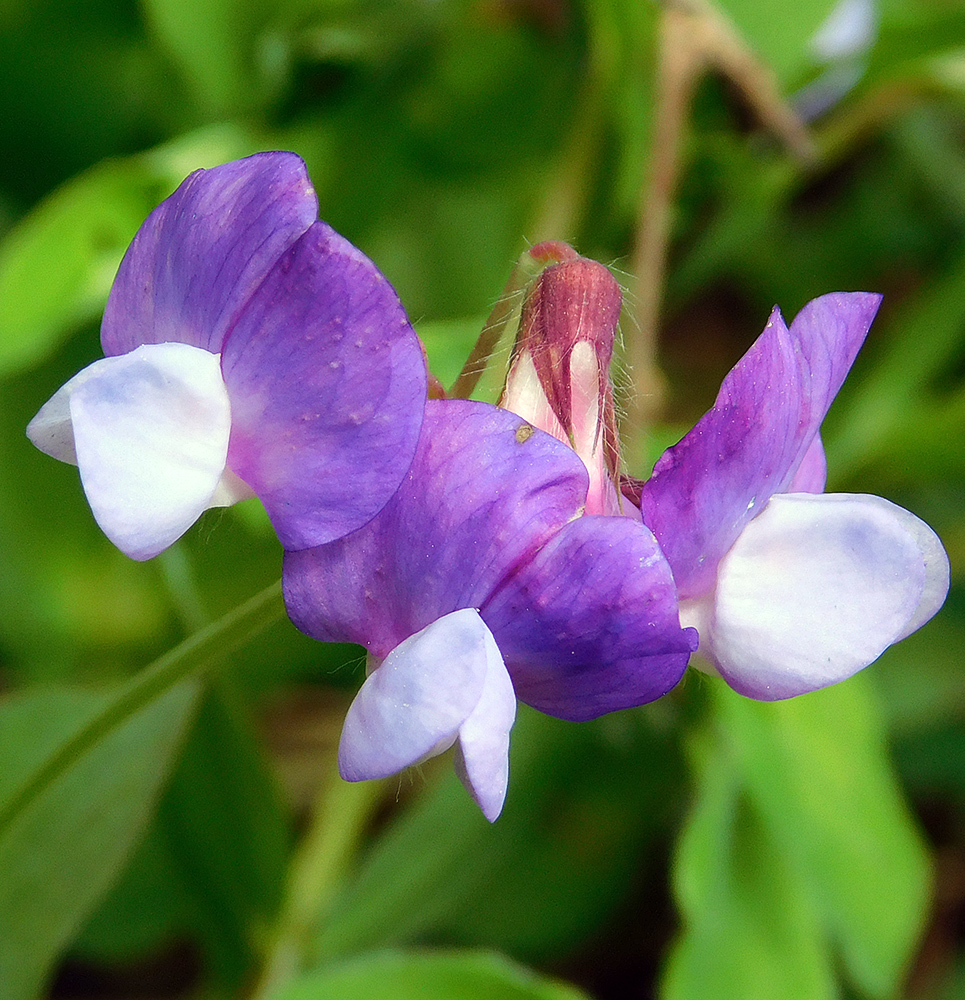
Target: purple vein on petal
[
  {"x": 770, "y": 407},
  {"x": 200, "y": 255},
  {"x": 483, "y": 492},
  {"x": 327, "y": 382}
]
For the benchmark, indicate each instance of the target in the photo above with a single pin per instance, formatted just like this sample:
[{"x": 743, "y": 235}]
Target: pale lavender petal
[
  {"x": 705, "y": 489},
  {"x": 812, "y": 474},
  {"x": 482, "y": 750},
  {"x": 151, "y": 435},
  {"x": 411, "y": 707},
  {"x": 484, "y": 492},
  {"x": 935, "y": 559},
  {"x": 589, "y": 624},
  {"x": 328, "y": 384},
  {"x": 202, "y": 252},
  {"x": 815, "y": 589}
]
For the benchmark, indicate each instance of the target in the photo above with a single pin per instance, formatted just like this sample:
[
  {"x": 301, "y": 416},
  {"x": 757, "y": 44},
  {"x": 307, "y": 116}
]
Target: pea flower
[
  {"x": 480, "y": 582},
  {"x": 559, "y": 374},
  {"x": 250, "y": 350},
  {"x": 791, "y": 589}
]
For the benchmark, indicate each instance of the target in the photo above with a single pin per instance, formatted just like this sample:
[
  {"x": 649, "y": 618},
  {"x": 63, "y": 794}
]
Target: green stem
[
  {"x": 341, "y": 813},
  {"x": 193, "y": 656}
]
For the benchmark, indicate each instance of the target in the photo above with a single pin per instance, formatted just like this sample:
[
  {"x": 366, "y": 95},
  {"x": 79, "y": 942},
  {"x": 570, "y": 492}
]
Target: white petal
[
  {"x": 816, "y": 588},
  {"x": 411, "y": 707},
  {"x": 150, "y": 433},
  {"x": 937, "y": 570},
  {"x": 51, "y": 430},
  {"x": 848, "y": 30},
  {"x": 482, "y": 753}
]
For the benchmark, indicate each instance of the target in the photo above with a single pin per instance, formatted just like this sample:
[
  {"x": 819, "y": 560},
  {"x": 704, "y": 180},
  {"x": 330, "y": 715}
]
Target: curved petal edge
[{"x": 816, "y": 588}]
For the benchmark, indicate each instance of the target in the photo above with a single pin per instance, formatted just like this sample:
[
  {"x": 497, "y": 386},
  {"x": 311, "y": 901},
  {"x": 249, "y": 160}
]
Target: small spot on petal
[{"x": 523, "y": 433}]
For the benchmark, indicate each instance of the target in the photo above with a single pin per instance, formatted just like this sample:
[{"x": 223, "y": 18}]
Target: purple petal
[
  {"x": 816, "y": 588},
  {"x": 202, "y": 252},
  {"x": 484, "y": 492},
  {"x": 705, "y": 489},
  {"x": 589, "y": 625},
  {"x": 482, "y": 751},
  {"x": 327, "y": 382},
  {"x": 812, "y": 474},
  {"x": 411, "y": 707}
]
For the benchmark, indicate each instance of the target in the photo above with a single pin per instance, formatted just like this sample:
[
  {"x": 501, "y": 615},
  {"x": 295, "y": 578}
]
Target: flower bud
[{"x": 559, "y": 375}]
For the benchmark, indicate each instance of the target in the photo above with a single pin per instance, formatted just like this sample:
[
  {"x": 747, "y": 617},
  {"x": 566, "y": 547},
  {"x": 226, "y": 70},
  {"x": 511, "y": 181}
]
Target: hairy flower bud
[{"x": 559, "y": 375}]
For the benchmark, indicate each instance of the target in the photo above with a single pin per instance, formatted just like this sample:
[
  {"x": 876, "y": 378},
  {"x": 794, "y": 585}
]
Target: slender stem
[
  {"x": 189, "y": 659},
  {"x": 341, "y": 813},
  {"x": 179, "y": 579},
  {"x": 693, "y": 37},
  {"x": 680, "y": 62},
  {"x": 492, "y": 332}
]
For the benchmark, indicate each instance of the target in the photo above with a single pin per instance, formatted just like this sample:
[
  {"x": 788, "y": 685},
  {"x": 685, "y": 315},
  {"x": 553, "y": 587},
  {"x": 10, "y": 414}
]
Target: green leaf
[
  {"x": 61, "y": 852},
  {"x": 214, "y": 46},
  {"x": 58, "y": 263},
  {"x": 750, "y": 930},
  {"x": 453, "y": 975},
  {"x": 227, "y": 834},
  {"x": 779, "y": 33},
  {"x": 72, "y": 808},
  {"x": 816, "y": 769},
  {"x": 581, "y": 815},
  {"x": 448, "y": 343},
  {"x": 922, "y": 341}
]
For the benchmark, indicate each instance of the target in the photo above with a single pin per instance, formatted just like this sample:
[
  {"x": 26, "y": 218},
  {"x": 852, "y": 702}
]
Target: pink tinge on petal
[
  {"x": 559, "y": 378},
  {"x": 816, "y": 588},
  {"x": 151, "y": 435},
  {"x": 413, "y": 705}
]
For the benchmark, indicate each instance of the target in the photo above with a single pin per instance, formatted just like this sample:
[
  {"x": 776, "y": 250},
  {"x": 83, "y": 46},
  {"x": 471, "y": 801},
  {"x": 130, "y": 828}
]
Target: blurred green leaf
[
  {"x": 780, "y": 34},
  {"x": 227, "y": 834},
  {"x": 583, "y": 806},
  {"x": 145, "y": 908},
  {"x": 750, "y": 930},
  {"x": 920, "y": 342},
  {"x": 57, "y": 265},
  {"x": 214, "y": 45},
  {"x": 454, "y": 975},
  {"x": 817, "y": 772},
  {"x": 448, "y": 343},
  {"x": 61, "y": 852}
]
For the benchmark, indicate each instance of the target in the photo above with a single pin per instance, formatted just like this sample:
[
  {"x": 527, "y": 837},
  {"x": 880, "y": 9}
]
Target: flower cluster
[{"x": 480, "y": 554}]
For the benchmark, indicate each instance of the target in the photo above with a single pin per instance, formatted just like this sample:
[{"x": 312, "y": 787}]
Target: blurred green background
[{"x": 194, "y": 843}]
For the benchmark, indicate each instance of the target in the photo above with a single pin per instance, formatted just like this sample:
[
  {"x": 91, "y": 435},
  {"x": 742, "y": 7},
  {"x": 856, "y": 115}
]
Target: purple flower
[
  {"x": 251, "y": 350},
  {"x": 479, "y": 582},
  {"x": 791, "y": 589}
]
